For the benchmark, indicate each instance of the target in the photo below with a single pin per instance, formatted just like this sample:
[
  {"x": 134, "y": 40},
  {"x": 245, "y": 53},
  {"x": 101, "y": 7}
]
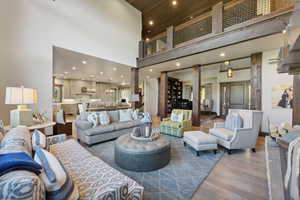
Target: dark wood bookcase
[{"x": 174, "y": 93}]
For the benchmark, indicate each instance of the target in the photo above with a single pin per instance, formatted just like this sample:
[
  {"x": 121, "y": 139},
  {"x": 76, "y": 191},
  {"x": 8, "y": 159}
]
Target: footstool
[{"x": 200, "y": 141}]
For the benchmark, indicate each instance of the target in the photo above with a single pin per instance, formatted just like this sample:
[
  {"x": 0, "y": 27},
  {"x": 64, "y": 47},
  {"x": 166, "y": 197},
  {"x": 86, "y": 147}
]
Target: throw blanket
[
  {"x": 18, "y": 161},
  {"x": 292, "y": 173}
]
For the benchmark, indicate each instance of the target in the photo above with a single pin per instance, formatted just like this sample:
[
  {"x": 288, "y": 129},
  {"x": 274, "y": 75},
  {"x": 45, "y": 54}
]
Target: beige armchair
[{"x": 240, "y": 138}]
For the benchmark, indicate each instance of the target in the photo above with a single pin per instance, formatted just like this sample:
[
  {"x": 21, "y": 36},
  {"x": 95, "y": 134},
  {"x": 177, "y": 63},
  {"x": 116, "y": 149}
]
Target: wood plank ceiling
[{"x": 164, "y": 13}]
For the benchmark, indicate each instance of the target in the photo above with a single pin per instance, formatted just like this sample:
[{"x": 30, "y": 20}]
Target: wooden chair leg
[
  {"x": 198, "y": 153},
  {"x": 215, "y": 151},
  {"x": 184, "y": 144},
  {"x": 253, "y": 150}
]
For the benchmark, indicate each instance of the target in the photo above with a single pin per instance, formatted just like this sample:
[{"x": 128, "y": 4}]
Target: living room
[{"x": 149, "y": 100}]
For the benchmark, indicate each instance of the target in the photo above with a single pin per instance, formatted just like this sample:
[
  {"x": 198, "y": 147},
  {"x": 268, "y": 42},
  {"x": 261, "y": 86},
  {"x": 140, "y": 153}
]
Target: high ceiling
[
  {"x": 164, "y": 13},
  {"x": 73, "y": 65}
]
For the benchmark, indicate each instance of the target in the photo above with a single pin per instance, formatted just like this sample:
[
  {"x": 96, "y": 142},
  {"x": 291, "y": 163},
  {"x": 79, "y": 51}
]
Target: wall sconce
[{"x": 229, "y": 72}]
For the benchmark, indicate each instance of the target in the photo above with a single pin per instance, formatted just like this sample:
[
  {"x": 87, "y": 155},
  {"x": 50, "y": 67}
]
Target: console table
[{"x": 39, "y": 126}]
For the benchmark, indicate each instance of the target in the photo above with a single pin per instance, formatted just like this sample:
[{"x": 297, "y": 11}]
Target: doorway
[{"x": 234, "y": 95}]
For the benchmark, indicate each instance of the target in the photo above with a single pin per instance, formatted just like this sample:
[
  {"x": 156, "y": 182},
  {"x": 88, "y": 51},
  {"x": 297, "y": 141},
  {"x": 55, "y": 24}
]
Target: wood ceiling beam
[{"x": 268, "y": 25}]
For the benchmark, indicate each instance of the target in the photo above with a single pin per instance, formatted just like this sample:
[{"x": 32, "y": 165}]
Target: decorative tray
[{"x": 153, "y": 137}]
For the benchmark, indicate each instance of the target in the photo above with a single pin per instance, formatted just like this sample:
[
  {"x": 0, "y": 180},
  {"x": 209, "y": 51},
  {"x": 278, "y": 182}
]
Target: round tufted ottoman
[{"x": 142, "y": 156}]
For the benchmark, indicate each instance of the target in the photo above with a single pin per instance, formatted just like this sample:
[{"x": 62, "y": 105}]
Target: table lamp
[{"x": 22, "y": 97}]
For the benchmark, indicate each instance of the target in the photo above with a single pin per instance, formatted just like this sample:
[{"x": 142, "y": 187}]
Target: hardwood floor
[{"x": 239, "y": 176}]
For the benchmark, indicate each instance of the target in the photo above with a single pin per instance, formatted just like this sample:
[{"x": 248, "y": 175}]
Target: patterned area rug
[{"x": 177, "y": 181}]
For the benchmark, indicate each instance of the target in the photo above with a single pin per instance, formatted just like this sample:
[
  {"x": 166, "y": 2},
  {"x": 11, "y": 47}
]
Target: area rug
[{"x": 177, "y": 181}]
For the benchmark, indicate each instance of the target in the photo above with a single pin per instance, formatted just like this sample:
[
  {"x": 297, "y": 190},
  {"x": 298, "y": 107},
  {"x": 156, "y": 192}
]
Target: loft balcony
[{"x": 226, "y": 24}]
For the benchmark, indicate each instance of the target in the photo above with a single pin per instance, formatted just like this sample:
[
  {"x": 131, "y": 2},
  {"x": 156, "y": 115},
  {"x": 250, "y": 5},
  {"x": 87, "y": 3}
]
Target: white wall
[
  {"x": 151, "y": 96},
  {"x": 270, "y": 79},
  {"x": 109, "y": 29}
]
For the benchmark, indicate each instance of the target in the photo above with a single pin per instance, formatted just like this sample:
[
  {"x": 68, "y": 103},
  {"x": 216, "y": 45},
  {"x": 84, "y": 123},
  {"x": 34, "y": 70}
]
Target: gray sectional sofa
[
  {"x": 89, "y": 135},
  {"x": 93, "y": 178}
]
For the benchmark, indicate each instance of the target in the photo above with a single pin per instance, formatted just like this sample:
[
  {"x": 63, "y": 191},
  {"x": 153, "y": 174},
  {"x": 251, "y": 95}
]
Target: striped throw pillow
[
  {"x": 58, "y": 183},
  {"x": 38, "y": 140}
]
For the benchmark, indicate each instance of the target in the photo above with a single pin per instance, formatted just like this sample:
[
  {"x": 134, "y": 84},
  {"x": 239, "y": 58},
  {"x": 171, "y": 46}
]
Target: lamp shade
[{"x": 20, "y": 96}]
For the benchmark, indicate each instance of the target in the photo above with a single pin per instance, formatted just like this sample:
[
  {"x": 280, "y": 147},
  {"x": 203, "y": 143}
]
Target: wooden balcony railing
[{"x": 222, "y": 18}]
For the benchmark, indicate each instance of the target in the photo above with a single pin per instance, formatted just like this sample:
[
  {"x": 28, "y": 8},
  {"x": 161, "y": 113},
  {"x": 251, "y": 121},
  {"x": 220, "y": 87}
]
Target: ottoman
[
  {"x": 141, "y": 156},
  {"x": 200, "y": 141}
]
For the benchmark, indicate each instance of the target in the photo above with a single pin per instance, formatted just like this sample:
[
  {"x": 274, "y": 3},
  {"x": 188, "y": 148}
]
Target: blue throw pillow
[{"x": 18, "y": 161}]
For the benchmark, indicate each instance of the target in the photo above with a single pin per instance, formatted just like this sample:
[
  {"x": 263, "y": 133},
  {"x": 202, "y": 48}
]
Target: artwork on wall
[
  {"x": 282, "y": 96},
  {"x": 57, "y": 94}
]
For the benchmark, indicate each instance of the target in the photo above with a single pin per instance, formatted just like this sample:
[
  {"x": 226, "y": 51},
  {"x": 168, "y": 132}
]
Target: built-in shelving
[{"x": 174, "y": 93}]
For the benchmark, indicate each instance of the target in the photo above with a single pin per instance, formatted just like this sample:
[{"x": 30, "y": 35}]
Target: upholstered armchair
[
  {"x": 240, "y": 138},
  {"x": 177, "y": 128}
]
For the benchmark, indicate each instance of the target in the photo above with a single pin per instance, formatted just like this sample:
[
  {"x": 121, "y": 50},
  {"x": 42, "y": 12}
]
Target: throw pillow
[
  {"x": 38, "y": 140},
  {"x": 176, "y": 117},
  {"x": 93, "y": 118},
  {"x": 173, "y": 117},
  {"x": 58, "y": 183},
  {"x": 125, "y": 115},
  {"x": 104, "y": 118},
  {"x": 233, "y": 122}
]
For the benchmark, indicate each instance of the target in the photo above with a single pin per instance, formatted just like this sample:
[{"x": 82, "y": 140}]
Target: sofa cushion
[
  {"x": 124, "y": 125},
  {"x": 138, "y": 123},
  {"x": 100, "y": 129},
  {"x": 114, "y": 115},
  {"x": 125, "y": 115},
  {"x": 171, "y": 124},
  {"x": 222, "y": 133},
  {"x": 17, "y": 140}
]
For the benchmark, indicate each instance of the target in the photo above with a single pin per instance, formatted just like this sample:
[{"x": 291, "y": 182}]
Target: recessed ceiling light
[
  {"x": 151, "y": 22},
  {"x": 148, "y": 31},
  {"x": 284, "y": 31},
  {"x": 73, "y": 68},
  {"x": 84, "y": 62},
  {"x": 122, "y": 76},
  {"x": 147, "y": 39},
  {"x": 227, "y": 62},
  {"x": 174, "y": 2},
  {"x": 177, "y": 64},
  {"x": 150, "y": 70},
  {"x": 101, "y": 73},
  {"x": 66, "y": 72},
  {"x": 92, "y": 76},
  {"x": 222, "y": 54},
  {"x": 111, "y": 78},
  {"x": 115, "y": 69},
  {"x": 191, "y": 17},
  {"x": 123, "y": 83}
]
